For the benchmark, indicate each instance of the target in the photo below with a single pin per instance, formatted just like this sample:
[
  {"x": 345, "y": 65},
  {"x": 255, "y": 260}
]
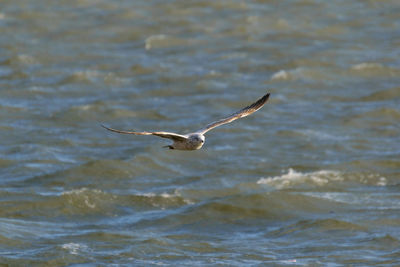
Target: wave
[
  {"x": 311, "y": 227},
  {"x": 294, "y": 179},
  {"x": 75, "y": 248},
  {"x": 374, "y": 69},
  {"x": 91, "y": 200},
  {"x": 86, "y": 202},
  {"x": 383, "y": 95},
  {"x": 85, "y": 198},
  {"x": 165, "y": 41},
  {"x": 300, "y": 73}
]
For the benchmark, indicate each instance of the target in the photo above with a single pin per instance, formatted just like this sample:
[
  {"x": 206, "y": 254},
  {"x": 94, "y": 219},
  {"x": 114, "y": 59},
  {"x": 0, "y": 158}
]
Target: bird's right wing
[
  {"x": 173, "y": 136},
  {"x": 237, "y": 115}
]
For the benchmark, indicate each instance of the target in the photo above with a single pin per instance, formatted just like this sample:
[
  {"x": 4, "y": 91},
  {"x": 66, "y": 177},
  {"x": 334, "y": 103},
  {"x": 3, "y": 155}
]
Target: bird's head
[{"x": 197, "y": 139}]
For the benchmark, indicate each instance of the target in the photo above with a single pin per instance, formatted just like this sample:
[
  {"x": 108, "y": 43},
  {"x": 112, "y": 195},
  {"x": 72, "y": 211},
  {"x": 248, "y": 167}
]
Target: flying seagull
[{"x": 193, "y": 141}]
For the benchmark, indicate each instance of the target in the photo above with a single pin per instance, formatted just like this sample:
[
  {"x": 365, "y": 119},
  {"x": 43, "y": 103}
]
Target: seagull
[{"x": 195, "y": 140}]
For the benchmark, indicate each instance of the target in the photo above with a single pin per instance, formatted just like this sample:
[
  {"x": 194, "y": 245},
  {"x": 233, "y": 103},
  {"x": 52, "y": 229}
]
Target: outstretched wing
[
  {"x": 173, "y": 136},
  {"x": 237, "y": 115}
]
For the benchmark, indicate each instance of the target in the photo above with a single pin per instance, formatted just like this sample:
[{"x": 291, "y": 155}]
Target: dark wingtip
[
  {"x": 264, "y": 98},
  {"x": 260, "y": 102}
]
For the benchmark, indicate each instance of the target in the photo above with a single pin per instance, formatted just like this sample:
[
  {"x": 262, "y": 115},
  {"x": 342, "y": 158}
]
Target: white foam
[
  {"x": 163, "y": 195},
  {"x": 149, "y": 43},
  {"x": 293, "y": 178},
  {"x": 82, "y": 190},
  {"x": 320, "y": 178},
  {"x": 323, "y": 135},
  {"x": 26, "y": 59},
  {"x": 87, "y": 74},
  {"x": 367, "y": 66},
  {"x": 369, "y": 200},
  {"x": 293, "y": 74},
  {"x": 382, "y": 181},
  {"x": 74, "y": 248},
  {"x": 280, "y": 75},
  {"x": 164, "y": 41},
  {"x": 89, "y": 196},
  {"x": 176, "y": 194}
]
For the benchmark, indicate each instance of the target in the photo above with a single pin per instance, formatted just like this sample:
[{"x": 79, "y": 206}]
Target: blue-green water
[{"x": 310, "y": 179}]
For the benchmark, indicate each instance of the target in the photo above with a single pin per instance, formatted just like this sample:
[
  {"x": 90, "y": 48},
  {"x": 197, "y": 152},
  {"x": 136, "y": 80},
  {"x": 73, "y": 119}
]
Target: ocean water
[{"x": 311, "y": 179}]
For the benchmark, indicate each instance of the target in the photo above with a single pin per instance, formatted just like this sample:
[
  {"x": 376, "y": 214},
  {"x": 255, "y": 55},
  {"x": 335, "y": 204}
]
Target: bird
[{"x": 195, "y": 140}]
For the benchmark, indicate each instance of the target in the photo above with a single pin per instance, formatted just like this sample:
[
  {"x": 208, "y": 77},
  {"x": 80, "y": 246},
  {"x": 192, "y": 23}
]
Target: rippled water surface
[{"x": 310, "y": 179}]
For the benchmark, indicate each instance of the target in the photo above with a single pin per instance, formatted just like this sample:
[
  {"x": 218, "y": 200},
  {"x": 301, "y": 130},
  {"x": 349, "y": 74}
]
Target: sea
[{"x": 311, "y": 179}]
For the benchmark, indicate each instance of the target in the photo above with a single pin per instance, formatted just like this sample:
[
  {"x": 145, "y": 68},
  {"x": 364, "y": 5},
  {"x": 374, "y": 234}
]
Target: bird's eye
[{"x": 196, "y": 138}]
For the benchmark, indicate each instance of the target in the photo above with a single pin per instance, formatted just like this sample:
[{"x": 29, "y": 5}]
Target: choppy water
[{"x": 310, "y": 179}]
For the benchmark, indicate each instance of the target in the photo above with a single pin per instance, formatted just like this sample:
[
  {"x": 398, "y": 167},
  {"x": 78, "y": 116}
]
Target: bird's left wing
[{"x": 173, "y": 136}]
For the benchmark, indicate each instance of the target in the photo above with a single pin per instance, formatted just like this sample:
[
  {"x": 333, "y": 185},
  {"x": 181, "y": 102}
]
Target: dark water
[{"x": 311, "y": 179}]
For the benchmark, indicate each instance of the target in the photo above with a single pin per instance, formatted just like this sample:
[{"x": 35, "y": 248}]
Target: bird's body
[{"x": 194, "y": 141}]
